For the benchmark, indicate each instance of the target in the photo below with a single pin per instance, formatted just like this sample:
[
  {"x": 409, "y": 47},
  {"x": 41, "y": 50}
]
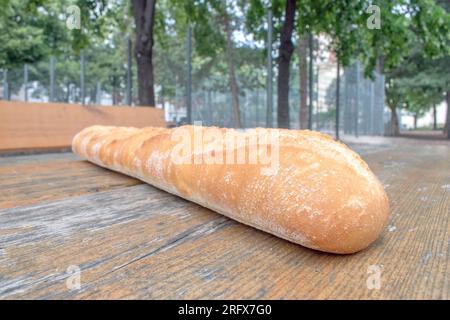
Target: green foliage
[
  {"x": 209, "y": 47},
  {"x": 418, "y": 83},
  {"x": 22, "y": 37},
  {"x": 422, "y": 76},
  {"x": 346, "y": 23},
  {"x": 36, "y": 30},
  {"x": 412, "y": 46}
]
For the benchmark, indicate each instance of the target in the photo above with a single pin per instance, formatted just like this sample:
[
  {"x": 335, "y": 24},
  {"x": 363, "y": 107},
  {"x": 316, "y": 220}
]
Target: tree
[
  {"x": 419, "y": 28},
  {"x": 335, "y": 18},
  {"x": 231, "y": 66},
  {"x": 22, "y": 39},
  {"x": 429, "y": 85},
  {"x": 214, "y": 23},
  {"x": 101, "y": 37},
  {"x": 144, "y": 17},
  {"x": 284, "y": 59},
  {"x": 34, "y": 30},
  {"x": 205, "y": 16},
  {"x": 346, "y": 23},
  {"x": 416, "y": 84}
]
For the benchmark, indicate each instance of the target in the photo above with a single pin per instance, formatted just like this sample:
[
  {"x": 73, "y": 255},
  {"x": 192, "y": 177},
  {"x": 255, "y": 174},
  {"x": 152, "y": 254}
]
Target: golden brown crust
[{"x": 322, "y": 195}]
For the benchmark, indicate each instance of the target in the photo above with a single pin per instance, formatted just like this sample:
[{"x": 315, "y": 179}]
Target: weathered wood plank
[
  {"x": 32, "y": 125},
  {"x": 140, "y": 242},
  {"x": 241, "y": 262},
  {"x": 33, "y": 182},
  {"x": 8, "y": 160},
  {"x": 99, "y": 233}
]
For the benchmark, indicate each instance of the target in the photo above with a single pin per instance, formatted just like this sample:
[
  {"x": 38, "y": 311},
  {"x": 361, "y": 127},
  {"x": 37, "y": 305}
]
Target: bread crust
[{"x": 320, "y": 194}]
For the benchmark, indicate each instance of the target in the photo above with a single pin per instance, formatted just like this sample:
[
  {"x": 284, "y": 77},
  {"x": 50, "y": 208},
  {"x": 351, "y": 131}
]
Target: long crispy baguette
[{"x": 298, "y": 185}]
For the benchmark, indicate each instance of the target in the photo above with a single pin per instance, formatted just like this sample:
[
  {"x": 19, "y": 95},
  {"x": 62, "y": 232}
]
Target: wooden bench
[
  {"x": 130, "y": 240},
  {"x": 33, "y": 126}
]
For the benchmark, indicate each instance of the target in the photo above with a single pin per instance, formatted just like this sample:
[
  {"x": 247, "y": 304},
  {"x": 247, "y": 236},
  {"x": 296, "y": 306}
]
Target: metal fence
[
  {"x": 71, "y": 78},
  {"x": 361, "y": 112}
]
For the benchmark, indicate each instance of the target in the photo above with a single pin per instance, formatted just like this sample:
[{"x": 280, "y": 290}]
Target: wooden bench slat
[
  {"x": 33, "y": 125},
  {"x": 98, "y": 232},
  {"x": 140, "y": 242},
  {"x": 36, "y": 158},
  {"x": 29, "y": 183}
]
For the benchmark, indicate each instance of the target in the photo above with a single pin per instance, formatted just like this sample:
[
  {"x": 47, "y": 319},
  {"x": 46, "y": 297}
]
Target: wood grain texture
[
  {"x": 135, "y": 241},
  {"x": 27, "y": 125},
  {"x": 29, "y": 182},
  {"x": 36, "y": 158}
]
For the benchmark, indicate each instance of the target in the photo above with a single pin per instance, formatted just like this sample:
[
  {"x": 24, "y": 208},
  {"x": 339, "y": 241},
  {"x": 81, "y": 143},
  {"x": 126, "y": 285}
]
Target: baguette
[{"x": 299, "y": 185}]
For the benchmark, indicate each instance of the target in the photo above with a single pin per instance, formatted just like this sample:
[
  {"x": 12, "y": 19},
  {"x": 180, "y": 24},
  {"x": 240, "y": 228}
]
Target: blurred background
[{"x": 361, "y": 68}]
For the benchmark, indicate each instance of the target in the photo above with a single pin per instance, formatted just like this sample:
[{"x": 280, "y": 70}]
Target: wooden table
[{"x": 60, "y": 215}]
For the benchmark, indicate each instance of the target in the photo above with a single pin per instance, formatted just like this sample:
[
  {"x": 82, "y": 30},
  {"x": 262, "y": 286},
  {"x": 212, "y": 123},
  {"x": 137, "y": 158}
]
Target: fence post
[
  {"x": 82, "y": 87},
  {"x": 317, "y": 100},
  {"x": 338, "y": 92},
  {"x": 177, "y": 100},
  {"x": 382, "y": 97},
  {"x": 210, "y": 108},
  {"x": 129, "y": 75},
  {"x": 189, "y": 76},
  {"x": 25, "y": 81},
  {"x": 348, "y": 101},
  {"x": 52, "y": 78},
  {"x": 311, "y": 79},
  {"x": 257, "y": 109},
  {"x": 356, "y": 115},
  {"x": 99, "y": 93},
  {"x": 5, "y": 85},
  {"x": 269, "y": 114},
  {"x": 372, "y": 108}
]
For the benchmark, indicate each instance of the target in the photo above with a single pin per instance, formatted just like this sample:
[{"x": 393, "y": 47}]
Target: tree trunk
[
  {"x": 231, "y": 73},
  {"x": 114, "y": 91},
  {"x": 285, "y": 53},
  {"x": 415, "y": 121},
  {"x": 144, "y": 13},
  {"x": 447, "y": 122},
  {"x": 303, "y": 74},
  {"x": 434, "y": 117},
  {"x": 395, "y": 131}
]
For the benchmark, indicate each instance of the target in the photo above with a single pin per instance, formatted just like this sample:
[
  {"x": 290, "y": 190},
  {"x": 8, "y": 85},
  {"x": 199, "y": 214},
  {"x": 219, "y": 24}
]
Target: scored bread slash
[{"x": 299, "y": 185}]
